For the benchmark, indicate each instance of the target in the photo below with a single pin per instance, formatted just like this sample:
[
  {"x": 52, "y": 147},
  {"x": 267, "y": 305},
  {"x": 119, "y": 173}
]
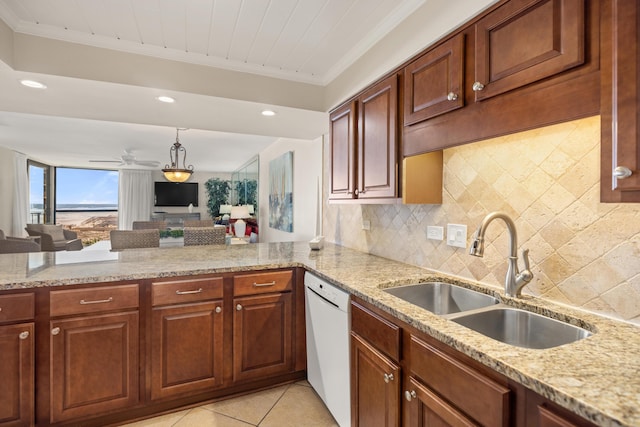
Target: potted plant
[{"x": 218, "y": 194}]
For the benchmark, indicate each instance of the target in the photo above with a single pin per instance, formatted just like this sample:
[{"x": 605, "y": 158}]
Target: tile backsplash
[{"x": 583, "y": 253}]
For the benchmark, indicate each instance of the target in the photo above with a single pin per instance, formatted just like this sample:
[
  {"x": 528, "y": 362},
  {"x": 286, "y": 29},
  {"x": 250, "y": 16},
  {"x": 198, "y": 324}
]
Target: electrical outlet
[
  {"x": 435, "y": 233},
  {"x": 366, "y": 224},
  {"x": 457, "y": 235}
]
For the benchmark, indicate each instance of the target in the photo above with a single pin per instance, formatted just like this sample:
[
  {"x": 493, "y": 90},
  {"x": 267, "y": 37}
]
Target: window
[
  {"x": 38, "y": 192},
  {"x": 87, "y": 202}
]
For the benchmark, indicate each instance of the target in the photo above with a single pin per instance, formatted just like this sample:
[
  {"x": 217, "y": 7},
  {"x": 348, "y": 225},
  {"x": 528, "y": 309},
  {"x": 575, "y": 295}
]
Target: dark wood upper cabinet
[
  {"x": 434, "y": 83},
  {"x": 620, "y": 109},
  {"x": 378, "y": 140},
  {"x": 364, "y": 144},
  {"x": 343, "y": 151},
  {"x": 525, "y": 41}
]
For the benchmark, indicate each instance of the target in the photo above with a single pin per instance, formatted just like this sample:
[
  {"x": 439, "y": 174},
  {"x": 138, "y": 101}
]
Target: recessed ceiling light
[
  {"x": 268, "y": 113},
  {"x": 166, "y": 99},
  {"x": 33, "y": 84}
]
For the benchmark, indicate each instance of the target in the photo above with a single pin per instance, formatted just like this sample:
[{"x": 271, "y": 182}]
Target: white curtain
[
  {"x": 135, "y": 197},
  {"x": 20, "y": 195}
]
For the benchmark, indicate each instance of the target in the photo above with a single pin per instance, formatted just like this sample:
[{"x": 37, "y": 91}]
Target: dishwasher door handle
[{"x": 320, "y": 296}]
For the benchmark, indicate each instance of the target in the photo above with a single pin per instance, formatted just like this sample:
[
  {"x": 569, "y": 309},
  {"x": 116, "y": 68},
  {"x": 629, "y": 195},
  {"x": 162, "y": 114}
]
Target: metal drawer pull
[
  {"x": 410, "y": 395},
  {"x": 452, "y": 96},
  {"x": 622, "y": 172},
  {"x": 218, "y": 309},
  {"x": 24, "y": 335},
  {"x": 258, "y": 285},
  {"x": 197, "y": 291},
  {"x": 100, "y": 301},
  {"x": 238, "y": 307},
  {"x": 477, "y": 86},
  {"x": 388, "y": 377},
  {"x": 55, "y": 331}
]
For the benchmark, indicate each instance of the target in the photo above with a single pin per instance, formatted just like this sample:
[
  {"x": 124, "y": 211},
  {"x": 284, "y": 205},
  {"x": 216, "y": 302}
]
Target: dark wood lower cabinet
[
  {"x": 186, "y": 349},
  {"x": 94, "y": 365},
  {"x": 17, "y": 373},
  {"x": 262, "y": 336},
  {"x": 375, "y": 386},
  {"x": 426, "y": 409}
]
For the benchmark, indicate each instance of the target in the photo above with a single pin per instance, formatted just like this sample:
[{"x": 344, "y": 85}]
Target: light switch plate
[
  {"x": 457, "y": 235},
  {"x": 366, "y": 224},
  {"x": 435, "y": 232}
]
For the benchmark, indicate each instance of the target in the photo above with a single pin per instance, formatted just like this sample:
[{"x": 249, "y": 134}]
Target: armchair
[
  {"x": 9, "y": 245},
  {"x": 54, "y": 237}
]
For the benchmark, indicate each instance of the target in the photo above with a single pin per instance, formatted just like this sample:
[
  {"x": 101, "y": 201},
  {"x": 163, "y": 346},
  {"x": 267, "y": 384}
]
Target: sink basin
[
  {"x": 442, "y": 298},
  {"x": 522, "y": 328}
]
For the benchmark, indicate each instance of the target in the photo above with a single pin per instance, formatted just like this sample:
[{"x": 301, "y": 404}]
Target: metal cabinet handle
[
  {"x": 55, "y": 331},
  {"x": 356, "y": 192},
  {"x": 622, "y": 172},
  {"x": 197, "y": 291},
  {"x": 409, "y": 395},
  {"x": 24, "y": 335},
  {"x": 100, "y": 301},
  {"x": 452, "y": 96},
  {"x": 238, "y": 307},
  {"x": 388, "y": 377},
  {"x": 218, "y": 309},
  {"x": 258, "y": 285},
  {"x": 477, "y": 86}
]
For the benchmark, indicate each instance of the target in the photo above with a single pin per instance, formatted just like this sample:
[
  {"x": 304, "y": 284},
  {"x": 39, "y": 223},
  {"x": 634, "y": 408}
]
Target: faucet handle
[
  {"x": 525, "y": 276},
  {"x": 525, "y": 258}
]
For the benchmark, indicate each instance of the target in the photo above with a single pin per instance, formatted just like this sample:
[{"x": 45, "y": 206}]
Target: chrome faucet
[{"x": 515, "y": 280}]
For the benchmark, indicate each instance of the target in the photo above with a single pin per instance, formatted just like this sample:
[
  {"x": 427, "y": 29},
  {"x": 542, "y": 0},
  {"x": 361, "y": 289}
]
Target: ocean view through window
[{"x": 86, "y": 202}]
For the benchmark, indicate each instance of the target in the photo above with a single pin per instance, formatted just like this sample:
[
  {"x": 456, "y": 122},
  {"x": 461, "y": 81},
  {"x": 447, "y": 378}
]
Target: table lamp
[{"x": 238, "y": 213}]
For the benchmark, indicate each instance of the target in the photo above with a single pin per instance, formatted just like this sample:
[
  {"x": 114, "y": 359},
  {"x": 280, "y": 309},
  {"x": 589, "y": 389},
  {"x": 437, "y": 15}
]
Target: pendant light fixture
[{"x": 175, "y": 173}]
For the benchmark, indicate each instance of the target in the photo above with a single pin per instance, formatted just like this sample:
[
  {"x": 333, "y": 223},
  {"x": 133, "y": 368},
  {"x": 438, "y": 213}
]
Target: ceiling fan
[{"x": 128, "y": 159}]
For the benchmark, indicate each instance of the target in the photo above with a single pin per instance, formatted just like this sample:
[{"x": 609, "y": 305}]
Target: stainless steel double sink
[{"x": 485, "y": 314}]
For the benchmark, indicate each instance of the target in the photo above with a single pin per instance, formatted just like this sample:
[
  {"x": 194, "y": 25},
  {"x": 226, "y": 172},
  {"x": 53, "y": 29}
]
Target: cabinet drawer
[
  {"x": 94, "y": 299},
  {"x": 483, "y": 399},
  {"x": 262, "y": 283},
  {"x": 384, "y": 335},
  {"x": 16, "y": 307},
  {"x": 189, "y": 290}
]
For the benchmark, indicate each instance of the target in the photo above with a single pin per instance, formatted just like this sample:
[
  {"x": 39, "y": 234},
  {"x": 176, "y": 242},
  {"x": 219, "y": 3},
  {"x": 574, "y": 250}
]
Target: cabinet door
[
  {"x": 17, "y": 370},
  {"x": 94, "y": 365},
  {"x": 525, "y": 41},
  {"x": 343, "y": 152},
  {"x": 427, "y": 409},
  {"x": 186, "y": 348},
  {"x": 434, "y": 83},
  {"x": 377, "y": 140},
  {"x": 262, "y": 336},
  {"x": 620, "y": 101},
  {"x": 375, "y": 386}
]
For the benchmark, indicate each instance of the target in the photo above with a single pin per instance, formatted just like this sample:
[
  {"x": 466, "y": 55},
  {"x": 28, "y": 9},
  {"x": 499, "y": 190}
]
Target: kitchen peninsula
[{"x": 595, "y": 378}]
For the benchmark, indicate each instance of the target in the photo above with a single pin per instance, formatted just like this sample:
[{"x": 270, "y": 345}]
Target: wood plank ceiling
[{"x": 303, "y": 40}]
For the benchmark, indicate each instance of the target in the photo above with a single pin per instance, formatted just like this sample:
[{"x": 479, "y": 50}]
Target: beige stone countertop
[{"x": 597, "y": 377}]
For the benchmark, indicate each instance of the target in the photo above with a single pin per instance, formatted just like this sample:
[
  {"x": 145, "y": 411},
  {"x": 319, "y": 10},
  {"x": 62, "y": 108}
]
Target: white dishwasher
[{"x": 327, "y": 320}]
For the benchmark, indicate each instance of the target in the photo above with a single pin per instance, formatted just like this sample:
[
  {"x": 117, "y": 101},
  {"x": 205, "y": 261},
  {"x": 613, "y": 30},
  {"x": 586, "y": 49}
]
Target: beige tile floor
[{"x": 291, "y": 405}]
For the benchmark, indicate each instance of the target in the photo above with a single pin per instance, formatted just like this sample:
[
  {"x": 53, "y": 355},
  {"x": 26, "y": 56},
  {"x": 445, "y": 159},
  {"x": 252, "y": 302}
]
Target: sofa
[
  {"x": 54, "y": 237},
  {"x": 10, "y": 245}
]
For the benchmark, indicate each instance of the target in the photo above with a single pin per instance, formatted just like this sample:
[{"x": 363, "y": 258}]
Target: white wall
[
  {"x": 200, "y": 177},
  {"x": 307, "y": 167},
  {"x": 6, "y": 189}
]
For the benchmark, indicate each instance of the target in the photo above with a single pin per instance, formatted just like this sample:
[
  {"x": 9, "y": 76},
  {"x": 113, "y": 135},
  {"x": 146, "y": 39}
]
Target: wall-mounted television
[{"x": 176, "y": 193}]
